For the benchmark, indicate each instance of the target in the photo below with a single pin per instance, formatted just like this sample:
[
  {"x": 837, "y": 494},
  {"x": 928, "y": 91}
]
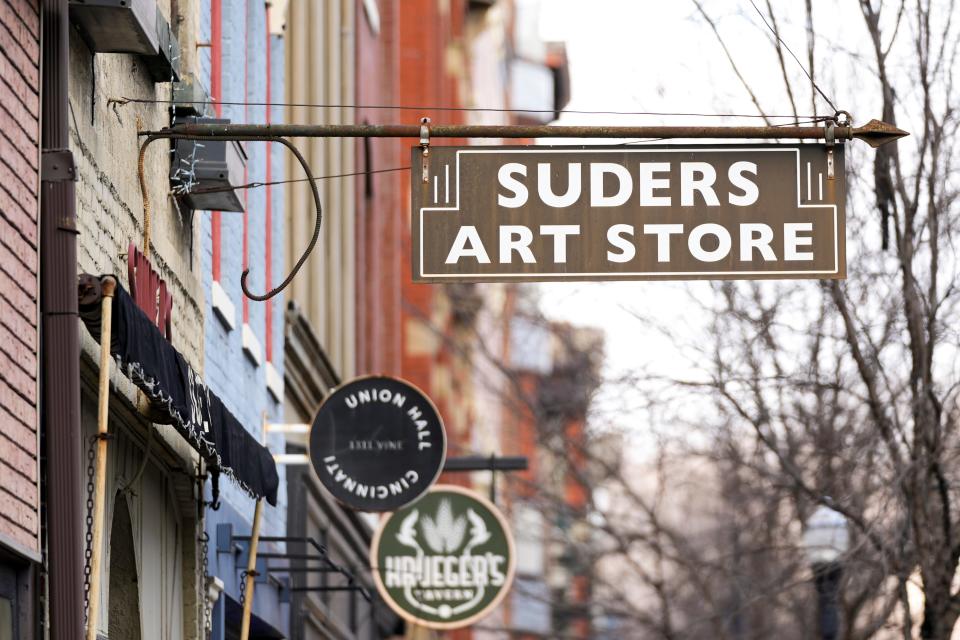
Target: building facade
[
  {"x": 150, "y": 578},
  {"x": 182, "y": 360},
  {"x": 20, "y": 518},
  {"x": 206, "y": 387}
]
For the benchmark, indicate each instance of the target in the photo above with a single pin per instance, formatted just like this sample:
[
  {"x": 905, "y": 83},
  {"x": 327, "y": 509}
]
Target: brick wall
[
  {"x": 19, "y": 185},
  {"x": 380, "y": 219}
]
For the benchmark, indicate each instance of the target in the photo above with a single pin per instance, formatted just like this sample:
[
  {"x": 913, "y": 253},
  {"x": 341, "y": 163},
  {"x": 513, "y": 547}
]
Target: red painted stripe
[
  {"x": 268, "y": 216},
  {"x": 216, "y": 90}
]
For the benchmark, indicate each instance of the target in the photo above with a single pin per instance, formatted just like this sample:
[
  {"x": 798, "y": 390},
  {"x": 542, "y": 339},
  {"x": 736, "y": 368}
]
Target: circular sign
[
  {"x": 446, "y": 560},
  {"x": 377, "y": 443}
]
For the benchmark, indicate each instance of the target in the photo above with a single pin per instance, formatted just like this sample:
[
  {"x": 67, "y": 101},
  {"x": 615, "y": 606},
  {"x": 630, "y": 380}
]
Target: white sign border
[{"x": 613, "y": 275}]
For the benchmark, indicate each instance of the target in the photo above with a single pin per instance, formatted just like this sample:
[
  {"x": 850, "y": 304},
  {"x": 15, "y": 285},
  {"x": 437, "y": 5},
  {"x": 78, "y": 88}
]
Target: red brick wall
[
  {"x": 19, "y": 185},
  {"x": 380, "y": 212}
]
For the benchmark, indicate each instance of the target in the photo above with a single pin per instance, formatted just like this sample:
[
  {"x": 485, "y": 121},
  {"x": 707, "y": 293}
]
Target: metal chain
[
  {"x": 88, "y": 552},
  {"x": 243, "y": 586},
  {"x": 204, "y": 540},
  {"x": 207, "y": 613}
]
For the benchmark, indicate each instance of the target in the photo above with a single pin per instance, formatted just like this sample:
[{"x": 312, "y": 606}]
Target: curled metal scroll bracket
[{"x": 158, "y": 135}]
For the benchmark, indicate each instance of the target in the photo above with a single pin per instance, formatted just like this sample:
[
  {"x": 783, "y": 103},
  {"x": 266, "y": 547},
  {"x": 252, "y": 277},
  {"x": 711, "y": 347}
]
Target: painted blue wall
[{"x": 234, "y": 376}]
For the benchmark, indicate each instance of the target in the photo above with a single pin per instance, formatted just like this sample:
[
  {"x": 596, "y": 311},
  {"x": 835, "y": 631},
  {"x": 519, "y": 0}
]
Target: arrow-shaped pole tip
[{"x": 876, "y": 133}]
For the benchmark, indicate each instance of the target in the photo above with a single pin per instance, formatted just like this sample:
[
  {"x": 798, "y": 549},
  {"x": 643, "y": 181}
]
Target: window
[
  {"x": 6, "y": 618},
  {"x": 14, "y": 603}
]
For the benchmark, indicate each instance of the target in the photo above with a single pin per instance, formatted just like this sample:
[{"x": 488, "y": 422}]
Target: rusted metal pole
[
  {"x": 107, "y": 287},
  {"x": 251, "y": 572},
  {"x": 874, "y": 132}
]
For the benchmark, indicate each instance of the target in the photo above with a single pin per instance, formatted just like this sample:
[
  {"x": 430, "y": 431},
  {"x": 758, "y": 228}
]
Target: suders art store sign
[
  {"x": 377, "y": 443},
  {"x": 629, "y": 213},
  {"x": 444, "y": 561}
]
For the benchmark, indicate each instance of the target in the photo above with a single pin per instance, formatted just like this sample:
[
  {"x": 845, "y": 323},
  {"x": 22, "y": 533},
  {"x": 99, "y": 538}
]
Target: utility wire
[
  {"x": 800, "y": 64},
  {"x": 252, "y": 185},
  {"x": 124, "y": 100},
  {"x": 256, "y": 184}
]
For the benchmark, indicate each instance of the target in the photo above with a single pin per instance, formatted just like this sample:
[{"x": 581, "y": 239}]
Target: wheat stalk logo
[{"x": 444, "y": 533}]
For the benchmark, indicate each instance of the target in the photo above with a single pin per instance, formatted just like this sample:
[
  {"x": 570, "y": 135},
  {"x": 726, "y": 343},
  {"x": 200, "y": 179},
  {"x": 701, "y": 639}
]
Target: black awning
[{"x": 176, "y": 389}]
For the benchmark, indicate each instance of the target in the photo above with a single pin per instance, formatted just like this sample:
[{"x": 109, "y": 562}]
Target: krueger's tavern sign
[
  {"x": 377, "y": 443},
  {"x": 629, "y": 213},
  {"x": 444, "y": 561}
]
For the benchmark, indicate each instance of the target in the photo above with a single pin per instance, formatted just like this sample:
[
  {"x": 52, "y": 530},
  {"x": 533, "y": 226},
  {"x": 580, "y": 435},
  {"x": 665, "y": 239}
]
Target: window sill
[{"x": 223, "y": 307}]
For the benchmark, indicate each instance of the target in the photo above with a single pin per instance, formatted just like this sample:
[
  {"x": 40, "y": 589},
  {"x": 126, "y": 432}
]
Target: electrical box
[
  {"x": 205, "y": 173},
  {"x": 129, "y": 26}
]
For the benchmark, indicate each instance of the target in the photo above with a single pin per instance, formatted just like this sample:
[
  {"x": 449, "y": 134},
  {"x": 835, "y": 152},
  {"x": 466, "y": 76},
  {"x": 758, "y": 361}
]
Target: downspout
[{"x": 59, "y": 336}]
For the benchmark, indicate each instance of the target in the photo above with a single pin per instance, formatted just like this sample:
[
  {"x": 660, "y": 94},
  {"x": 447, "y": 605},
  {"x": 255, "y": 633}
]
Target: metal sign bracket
[
  {"x": 57, "y": 165},
  {"x": 425, "y": 145},
  {"x": 829, "y": 135}
]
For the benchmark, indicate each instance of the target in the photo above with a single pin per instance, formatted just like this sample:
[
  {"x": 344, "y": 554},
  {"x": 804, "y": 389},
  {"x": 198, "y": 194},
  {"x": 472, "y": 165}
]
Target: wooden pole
[
  {"x": 251, "y": 572},
  {"x": 108, "y": 286}
]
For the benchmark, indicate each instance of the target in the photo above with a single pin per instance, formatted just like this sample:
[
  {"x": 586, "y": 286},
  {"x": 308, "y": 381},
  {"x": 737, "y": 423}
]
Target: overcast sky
[{"x": 654, "y": 56}]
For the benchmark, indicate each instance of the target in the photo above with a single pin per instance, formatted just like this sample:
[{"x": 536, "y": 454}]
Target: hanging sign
[
  {"x": 446, "y": 560},
  {"x": 629, "y": 213},
  {"x": 377, "y": 443}
]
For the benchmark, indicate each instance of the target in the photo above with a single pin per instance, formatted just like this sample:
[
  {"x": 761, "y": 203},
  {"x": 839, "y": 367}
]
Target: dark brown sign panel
[{"x": 628, "y": 213}]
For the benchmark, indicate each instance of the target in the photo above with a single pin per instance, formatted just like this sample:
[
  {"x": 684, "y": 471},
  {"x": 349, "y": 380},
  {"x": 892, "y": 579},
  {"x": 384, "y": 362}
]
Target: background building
[{"x": 243, "y": 69}]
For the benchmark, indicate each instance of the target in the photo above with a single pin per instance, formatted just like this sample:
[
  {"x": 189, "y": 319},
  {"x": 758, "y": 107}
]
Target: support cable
[{"x": 802, "y": 68}]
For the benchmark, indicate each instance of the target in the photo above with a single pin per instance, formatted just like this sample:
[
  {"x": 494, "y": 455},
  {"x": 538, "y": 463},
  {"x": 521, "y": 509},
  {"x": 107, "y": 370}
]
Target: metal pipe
[
  {"x": 251, "y": 572},
  {"x": 874, "y": 132},
  {"x": 107, "y": 288},
  {"x": 498, "y": 131},
  {"x": 486, "y": 463},
  {"x": 60, "y": 342}
]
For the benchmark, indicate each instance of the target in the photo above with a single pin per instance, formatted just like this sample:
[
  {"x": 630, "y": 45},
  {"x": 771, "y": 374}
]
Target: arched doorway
[{"x": 124, "y": 620}]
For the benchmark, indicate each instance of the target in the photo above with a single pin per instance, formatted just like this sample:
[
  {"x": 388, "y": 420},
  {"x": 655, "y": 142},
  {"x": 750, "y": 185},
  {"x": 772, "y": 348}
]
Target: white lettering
[
  {"x": 737, "y": 179},
  {"x": 560, "y": 233},
  {"x": 545, "y": 189},
  {"x": 791, "y": 241},
  {"x": 624, "y": 182},
  {"x": 515, "y": 237},
  {"x": 507, "y": 181},
  {"x": 615, "y": 236},
  {"x": 689, "y": 183},
  {"x": 695, "y": 242},
  {"x": 648, "y": 184},
  {"x": 467, "y": 244},
  {"x": 756, "y": 236},
  {"x": 663, "y": 233}
]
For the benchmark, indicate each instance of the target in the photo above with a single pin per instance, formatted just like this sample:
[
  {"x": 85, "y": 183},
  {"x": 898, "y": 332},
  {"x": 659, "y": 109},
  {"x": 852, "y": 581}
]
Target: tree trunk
[{"x": 939, "y": 616}]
